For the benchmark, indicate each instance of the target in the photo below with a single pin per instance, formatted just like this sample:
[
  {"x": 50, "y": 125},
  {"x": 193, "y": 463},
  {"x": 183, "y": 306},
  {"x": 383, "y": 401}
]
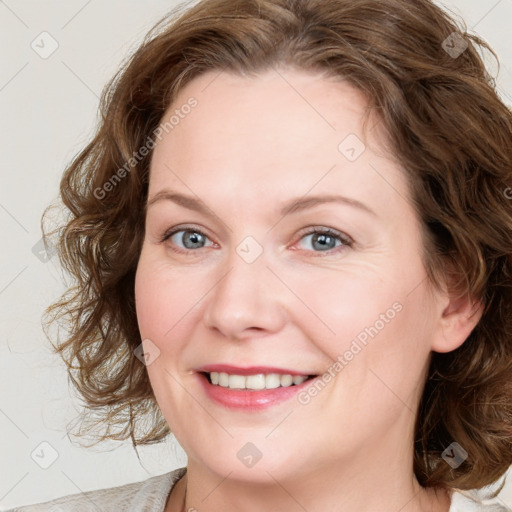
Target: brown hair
[{"x": 447, "y": 127}]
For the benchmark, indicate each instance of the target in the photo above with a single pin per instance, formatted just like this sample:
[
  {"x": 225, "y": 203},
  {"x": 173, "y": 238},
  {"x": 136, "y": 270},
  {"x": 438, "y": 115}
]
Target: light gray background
[{"x": 49, "y": 109}]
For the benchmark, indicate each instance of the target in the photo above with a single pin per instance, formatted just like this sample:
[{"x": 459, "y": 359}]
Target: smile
[
  {"x": 255, "y": 382},
  {"x": 258, "y": 389}
]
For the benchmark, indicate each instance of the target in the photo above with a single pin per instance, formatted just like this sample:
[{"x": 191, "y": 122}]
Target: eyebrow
[{"x": 289, "y": 207}]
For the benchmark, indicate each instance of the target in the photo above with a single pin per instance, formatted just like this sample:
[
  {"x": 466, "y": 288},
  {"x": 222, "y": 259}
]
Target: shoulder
[
  {"x": 470, "y": 501},
  {"x": 149, "y": 495}
]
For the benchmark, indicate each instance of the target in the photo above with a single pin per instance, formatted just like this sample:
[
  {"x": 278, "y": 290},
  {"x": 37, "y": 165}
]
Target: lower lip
[{"x": 250, "y": 400}]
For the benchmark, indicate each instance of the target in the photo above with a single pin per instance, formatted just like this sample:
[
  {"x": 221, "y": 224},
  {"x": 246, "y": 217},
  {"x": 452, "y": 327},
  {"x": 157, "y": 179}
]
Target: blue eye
[
  {"x": 327, "y": 240},
  {"x": 323, "y": 240},
  {"x": 189, "y": 238}
]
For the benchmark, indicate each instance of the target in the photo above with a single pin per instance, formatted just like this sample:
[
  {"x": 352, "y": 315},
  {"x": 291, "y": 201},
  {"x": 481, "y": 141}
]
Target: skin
[{"x": 251, "y": 145}]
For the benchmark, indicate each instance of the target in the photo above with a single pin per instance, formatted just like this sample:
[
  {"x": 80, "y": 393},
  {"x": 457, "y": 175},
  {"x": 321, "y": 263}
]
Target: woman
[{"x": 292, "y": 243}]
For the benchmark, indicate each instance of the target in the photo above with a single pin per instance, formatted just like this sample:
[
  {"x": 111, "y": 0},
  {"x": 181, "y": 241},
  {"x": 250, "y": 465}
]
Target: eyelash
[{"x": 344, "y": 239}]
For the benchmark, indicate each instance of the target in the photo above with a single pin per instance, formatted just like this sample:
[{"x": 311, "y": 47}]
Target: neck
[
  {"x": 363, "y": 485},
  {"x": 375, "y": 475}
]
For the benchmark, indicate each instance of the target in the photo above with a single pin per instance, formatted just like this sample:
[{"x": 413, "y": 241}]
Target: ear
[{"x": 458, "y": 317}]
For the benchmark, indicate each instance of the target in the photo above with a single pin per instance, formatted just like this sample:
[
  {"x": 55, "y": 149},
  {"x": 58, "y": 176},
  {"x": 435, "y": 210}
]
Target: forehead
[{"x": 280, "y": 133}]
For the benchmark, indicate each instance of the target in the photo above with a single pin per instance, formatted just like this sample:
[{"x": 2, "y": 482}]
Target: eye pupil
[
  {"x": 326, "y": 241},
  {"x": 194, "y": 238}
]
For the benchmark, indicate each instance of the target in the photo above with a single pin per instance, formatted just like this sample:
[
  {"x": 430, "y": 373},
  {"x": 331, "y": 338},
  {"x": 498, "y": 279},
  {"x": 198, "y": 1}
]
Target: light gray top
[{"x": 151, "y": 496}]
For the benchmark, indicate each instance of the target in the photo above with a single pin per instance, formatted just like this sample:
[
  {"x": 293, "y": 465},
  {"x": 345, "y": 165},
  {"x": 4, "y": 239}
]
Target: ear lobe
[{"x": 458, "y": 318}]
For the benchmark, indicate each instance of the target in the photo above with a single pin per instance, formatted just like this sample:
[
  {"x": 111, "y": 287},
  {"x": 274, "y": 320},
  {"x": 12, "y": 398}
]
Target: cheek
[
  {"x": 149, "y": 299},
  {"x": 345, "y": 306},
  {"x": 160, "y": 297},
  {"x": 390, "y": 366},
  {"x": 162, "y": 301},
  {"x": 369, "y": 320},
  {"x": 168, "y": 301}
]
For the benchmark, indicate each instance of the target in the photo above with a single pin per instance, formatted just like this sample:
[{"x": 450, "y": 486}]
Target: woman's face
[{"x": 249, "y": 178}]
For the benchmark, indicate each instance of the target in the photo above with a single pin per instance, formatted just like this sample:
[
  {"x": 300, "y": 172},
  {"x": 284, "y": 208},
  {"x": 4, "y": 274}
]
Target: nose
[{"x": 247, "y": 300}]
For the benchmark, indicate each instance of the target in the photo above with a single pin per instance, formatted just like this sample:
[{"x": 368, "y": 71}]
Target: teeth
[{"x": 258, "y": 381}]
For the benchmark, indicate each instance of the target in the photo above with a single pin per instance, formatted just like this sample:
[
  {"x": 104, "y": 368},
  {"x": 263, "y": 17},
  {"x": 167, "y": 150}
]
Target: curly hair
[{"x": 425, "y": 76}]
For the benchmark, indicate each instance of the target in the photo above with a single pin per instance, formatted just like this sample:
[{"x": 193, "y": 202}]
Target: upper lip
[{"x": 250, "y": 370}]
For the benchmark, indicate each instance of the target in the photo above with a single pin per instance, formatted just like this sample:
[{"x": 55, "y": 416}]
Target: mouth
[
  {"x": 255, "y": 382},
  {"x": 251, "y": 389}
]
